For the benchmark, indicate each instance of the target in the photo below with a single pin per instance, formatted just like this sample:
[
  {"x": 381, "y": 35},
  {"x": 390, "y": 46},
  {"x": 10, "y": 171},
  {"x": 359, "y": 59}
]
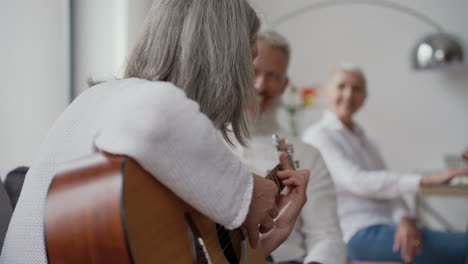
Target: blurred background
[{"x": 50, "y": 47}]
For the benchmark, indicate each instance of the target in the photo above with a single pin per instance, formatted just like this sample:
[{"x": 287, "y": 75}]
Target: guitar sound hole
[{"x": 226, "y": 243}]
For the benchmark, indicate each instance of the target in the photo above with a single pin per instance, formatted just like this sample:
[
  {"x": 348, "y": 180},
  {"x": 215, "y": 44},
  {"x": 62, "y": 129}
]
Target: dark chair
[
  {"x": 5, "y": 213},
  {"x": 14, "y": 183}
]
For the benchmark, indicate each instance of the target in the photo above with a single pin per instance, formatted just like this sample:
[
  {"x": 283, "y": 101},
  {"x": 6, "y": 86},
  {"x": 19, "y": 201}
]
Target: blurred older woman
[{"x": 375, "y": 220}]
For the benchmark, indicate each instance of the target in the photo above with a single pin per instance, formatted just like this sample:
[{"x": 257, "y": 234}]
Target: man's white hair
[{"x": 275, "y": 39}]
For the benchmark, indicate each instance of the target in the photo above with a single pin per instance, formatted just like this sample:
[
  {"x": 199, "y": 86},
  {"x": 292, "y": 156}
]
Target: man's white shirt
[{"x": 316, "y": 236}]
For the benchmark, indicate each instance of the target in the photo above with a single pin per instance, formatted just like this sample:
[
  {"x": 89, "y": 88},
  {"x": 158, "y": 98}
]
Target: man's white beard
[{"x": 267, "y": 120}]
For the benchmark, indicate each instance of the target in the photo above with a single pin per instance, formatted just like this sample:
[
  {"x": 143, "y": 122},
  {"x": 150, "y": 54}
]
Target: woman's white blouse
[
  {"x": 152, "y": 122},
  {"x": 367, "y": 192}
]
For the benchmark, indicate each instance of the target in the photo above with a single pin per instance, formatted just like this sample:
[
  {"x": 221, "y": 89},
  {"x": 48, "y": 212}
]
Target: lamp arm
[{"x": 380, "y": 3}]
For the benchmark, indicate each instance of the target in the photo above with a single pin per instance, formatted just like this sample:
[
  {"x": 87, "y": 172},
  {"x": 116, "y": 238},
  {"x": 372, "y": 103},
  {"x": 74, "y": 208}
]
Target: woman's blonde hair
[
  {"x": 352, "y": 68},
  {"x": 204, "y": 48}
]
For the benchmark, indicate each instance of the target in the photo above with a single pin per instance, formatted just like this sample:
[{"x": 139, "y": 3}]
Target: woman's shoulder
[
  {"x": 136, "y": 93},
  {"x": 148, "y": 107},
  {"x": 134, "y": 87},
  {"x": 316, "y": 132}
]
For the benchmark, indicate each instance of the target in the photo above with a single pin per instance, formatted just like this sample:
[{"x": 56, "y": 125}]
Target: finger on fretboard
[{"x": 273, "y": 177}]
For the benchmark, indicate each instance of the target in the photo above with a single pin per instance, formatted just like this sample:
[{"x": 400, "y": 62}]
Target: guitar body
[{"x": 107, "y": 209}]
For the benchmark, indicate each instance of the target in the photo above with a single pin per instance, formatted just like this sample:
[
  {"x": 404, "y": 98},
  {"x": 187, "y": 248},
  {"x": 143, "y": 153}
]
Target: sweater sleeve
[
  {"x": 380, "y": 184},
  {"x": 164, "y": 131}
]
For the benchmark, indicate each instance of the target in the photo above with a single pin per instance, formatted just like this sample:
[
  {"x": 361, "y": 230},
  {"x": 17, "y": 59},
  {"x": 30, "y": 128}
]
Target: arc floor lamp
[{"x": 436, "y": 50}]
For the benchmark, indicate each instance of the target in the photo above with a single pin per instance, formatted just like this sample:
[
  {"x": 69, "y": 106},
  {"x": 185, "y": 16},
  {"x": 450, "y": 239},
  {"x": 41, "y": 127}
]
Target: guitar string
[
  {"x": 233, "y": 241},
  {"x": 278, "y": 184},
  {"x": 212, "y": 239},
  {"x": 275, "y": 180},
  {"x": 229, "y": 238},
  {"x": 224, "y": 240},
  {"x": 237, "y": 240}
]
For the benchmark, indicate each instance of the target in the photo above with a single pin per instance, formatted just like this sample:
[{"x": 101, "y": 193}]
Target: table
[
  {"x": 442, "y": 190},
  {"x": 445, "y": 190}
]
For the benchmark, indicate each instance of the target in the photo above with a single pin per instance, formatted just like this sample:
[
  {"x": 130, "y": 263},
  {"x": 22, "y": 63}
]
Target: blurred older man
[{"x": 316, "y": 237}]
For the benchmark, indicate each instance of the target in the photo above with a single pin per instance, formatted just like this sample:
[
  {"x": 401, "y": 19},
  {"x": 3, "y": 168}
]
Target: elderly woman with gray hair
[
  {"x": 187, "y": 80},
  {"x": 375, "y": 221}
]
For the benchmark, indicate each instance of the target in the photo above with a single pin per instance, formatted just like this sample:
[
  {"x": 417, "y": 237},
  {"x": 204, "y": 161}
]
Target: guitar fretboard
[{"x": 272, "y": 176}]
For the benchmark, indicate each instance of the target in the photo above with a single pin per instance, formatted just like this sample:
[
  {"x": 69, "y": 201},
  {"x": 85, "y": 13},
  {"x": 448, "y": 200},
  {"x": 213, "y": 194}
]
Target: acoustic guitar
[{"x": 107, "y": 209}]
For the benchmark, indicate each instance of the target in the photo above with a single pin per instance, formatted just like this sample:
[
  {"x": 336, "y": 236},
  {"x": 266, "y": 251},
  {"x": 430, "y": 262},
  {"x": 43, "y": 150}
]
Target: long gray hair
[{"x": 204, "y": 48}]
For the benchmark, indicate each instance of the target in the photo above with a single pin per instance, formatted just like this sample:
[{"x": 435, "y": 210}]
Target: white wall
[
  {"x": 100, "y": 39},
  {"x": 34, "y": 68},
  {"x": 416, "y": 117},
  {"x": 104, "y": 32},
  {"x": 35, "y": 59},
  {"x": 136, "y": 15}
]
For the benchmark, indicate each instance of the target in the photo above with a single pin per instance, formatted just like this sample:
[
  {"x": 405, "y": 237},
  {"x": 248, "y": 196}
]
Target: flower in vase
[
  {"x": 308, "y": 94},
  {"x": 297, "y": 99}
]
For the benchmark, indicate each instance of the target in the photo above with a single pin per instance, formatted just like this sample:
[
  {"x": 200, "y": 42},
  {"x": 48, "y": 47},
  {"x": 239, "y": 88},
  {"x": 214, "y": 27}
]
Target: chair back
[
  {"x": 5, "y": 213},
  {"x": 14, "y": 183}
]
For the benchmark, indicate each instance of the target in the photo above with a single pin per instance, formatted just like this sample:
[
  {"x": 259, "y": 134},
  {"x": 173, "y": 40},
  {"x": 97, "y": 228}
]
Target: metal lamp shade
[{"x": 437, "y": 51}]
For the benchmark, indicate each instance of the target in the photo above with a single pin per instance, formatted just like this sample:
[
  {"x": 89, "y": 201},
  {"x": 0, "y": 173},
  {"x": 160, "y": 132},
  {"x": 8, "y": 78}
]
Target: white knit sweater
[{"x": 152, "y": 122}]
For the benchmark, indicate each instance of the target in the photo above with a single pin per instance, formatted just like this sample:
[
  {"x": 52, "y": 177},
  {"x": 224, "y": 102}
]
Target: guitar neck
[
  {"x": 291, "y": 160},
  {"x": 272, "y": 176},
  {"x": 281, "y": 147}
]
